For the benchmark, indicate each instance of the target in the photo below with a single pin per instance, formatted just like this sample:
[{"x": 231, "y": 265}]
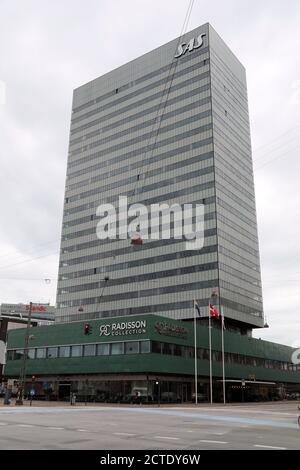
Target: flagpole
[
  {"x": 195, "y": 343},
  {"x": 210, "y": 359},
  {"x": 223, "y": 359}
]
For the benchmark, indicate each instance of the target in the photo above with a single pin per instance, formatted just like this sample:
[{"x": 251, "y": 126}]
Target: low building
[
  {"x": 148, "y": 358},
  {"x": 41, "y": 314},
  {"x": 15, "y": 316}
]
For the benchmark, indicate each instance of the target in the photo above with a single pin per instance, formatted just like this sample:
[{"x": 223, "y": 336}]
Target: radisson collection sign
[
  {"x": 137, "y": 327},
  {"x": 124, "y": 328}
]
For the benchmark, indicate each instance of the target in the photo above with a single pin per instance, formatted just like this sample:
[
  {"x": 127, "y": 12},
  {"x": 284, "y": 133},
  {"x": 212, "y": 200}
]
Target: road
[{"x": 254, "y": 426}]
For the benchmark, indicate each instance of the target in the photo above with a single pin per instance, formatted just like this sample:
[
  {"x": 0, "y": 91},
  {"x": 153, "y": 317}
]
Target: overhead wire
[
  {"x": 267, "y": 144},
  {"x": 277, "y": 157}
]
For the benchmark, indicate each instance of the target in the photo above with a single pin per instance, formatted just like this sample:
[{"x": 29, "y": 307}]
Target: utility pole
[{"x": 20, "y": 394}]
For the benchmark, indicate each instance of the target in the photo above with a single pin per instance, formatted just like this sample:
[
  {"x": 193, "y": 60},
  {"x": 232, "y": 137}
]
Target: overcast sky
[{"x": 48, "y": 48}]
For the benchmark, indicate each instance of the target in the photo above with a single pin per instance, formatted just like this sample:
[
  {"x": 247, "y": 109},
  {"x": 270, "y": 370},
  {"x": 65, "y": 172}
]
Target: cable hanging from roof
[{"x": 136, "y": 238}]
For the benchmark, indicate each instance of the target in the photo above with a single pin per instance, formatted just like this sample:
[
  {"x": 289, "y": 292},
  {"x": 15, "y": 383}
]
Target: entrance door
[
  {"x": 64, "y": 391},
  {"x": 184, "y": 393}
]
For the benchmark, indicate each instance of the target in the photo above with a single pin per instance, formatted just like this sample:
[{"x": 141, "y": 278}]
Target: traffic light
[
  {"x": 87, "y": 329},
  {"x": 33, "y": 378}
]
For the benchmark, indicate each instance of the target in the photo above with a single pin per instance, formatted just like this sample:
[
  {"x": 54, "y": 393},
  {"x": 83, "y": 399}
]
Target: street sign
[{"x": 243, "y": 383}]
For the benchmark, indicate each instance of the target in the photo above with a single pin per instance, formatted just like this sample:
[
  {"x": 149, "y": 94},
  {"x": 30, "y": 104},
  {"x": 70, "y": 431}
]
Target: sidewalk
[{"x": 44, "y": 403}]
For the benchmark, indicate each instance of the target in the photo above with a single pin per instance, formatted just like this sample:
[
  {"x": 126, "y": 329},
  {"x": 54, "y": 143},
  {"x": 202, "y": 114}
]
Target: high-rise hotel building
[{"x": 200, "y": 153}]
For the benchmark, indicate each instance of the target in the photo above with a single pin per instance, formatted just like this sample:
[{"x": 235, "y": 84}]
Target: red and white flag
[{"x": 213, "y": 312}]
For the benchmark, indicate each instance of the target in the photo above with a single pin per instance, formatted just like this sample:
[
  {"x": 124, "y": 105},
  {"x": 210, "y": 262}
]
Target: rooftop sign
[{"x": 194, "y": 43}]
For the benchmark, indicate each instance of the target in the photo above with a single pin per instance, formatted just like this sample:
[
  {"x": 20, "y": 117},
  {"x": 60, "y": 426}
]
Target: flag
[
  {"x": 196, "y": 306},
  {"x": 213, "y": 312}
]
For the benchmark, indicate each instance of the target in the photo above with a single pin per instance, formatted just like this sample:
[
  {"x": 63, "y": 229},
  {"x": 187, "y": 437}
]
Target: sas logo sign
[{"x": 194, "y": 43}]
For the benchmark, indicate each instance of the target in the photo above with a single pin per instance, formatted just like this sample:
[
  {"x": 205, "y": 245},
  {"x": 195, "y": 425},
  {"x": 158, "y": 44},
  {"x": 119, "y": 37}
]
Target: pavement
[{"x": 253, "y": 426}]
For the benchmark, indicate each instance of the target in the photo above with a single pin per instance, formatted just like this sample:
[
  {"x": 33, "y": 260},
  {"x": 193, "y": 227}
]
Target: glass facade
[
  {"x": 201, "y": 153},
  {"x": 156, "y": 347}
]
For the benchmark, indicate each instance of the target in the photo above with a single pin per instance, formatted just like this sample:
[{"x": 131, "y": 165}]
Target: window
[
  {"x": 117, "y": 348},
  {"x": 89, "y": 350},
  {"x": 31, "y": 353},
  {"x": 52, "y": 353},
  {"x": 189, "y": 352},
  {"x": 103, "y": 349},
  {"x": 132, "y": 347},
  {"x": 144, "y": 347},
  {"x": 41, "y": 353},
  {"x": 156, "y": 347},
  {"x": 64, "y": 351},
  {"x": 178, "y": 350},
  {"x": 206, "y": 354},
  {"x": 76, "y": 351},
  {"x": 167, "y": 348},
  {"x": 200, "y": 353},
  {"x": 216, "y": 356},
  {"x": 19, "y": 354},
  {"x": 10, "y": 355}
]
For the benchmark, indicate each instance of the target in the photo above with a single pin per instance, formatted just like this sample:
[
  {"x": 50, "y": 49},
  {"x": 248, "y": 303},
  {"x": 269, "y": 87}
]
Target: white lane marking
[
  {"x": 218, "y": 433},
  {"x": 167, "y": 437},
  {"x": 237, "y": 410},
  {"x": 55, "y": 428},
  {"x": 269, "y": 447},
  {"x": 3, "y": 424},
  {"x": 123, "y": 434},
  {"x": 248, "y": 410},
  {"x": 82, "y": 430},
  {"x": 25, "y": 425},
  {"x": 212, "y": 442}
]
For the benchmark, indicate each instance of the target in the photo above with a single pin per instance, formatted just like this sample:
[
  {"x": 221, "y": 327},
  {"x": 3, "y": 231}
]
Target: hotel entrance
[
  {"x": 64, "y": 391},
  {"x": 124, "y": 389}
]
